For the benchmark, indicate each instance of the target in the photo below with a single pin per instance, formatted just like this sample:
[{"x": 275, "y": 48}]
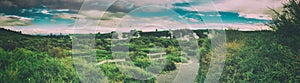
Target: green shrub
[
  {"x": 26, "y": 66},
  {"x": 177, "y": 59},
  {"x": 169, "y": 66}
]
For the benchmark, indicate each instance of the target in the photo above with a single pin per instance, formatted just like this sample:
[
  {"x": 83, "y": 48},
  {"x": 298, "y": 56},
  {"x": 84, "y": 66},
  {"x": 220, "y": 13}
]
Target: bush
[
  {"x": 169, "y": 66},
  {"x": 26, "y": 66},
  {"x": 254, "y": 57},
  {"x": 177, "y": 59}
]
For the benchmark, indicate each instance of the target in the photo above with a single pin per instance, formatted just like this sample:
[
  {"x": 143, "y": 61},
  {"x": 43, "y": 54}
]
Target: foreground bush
[{"x": 22, "y": 65}]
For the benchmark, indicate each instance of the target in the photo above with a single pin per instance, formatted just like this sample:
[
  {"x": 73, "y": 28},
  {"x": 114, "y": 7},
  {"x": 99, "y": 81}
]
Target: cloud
[
  {"x": 248, "y": 6},
  {"x": 57, "y": 4},
  {"x": 249, "y": 9},
  {"x": 14, "y": 21},
  {"x": 154, "y": 2},
  {"x": 114, "y": 20}
]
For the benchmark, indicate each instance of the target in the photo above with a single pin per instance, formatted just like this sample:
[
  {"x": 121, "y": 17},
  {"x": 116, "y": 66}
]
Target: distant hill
[{"x": 7, "y": 32}]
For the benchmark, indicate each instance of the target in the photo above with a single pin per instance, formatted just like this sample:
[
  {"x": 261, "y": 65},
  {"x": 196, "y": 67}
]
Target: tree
[{"x": 287, "y": 23}]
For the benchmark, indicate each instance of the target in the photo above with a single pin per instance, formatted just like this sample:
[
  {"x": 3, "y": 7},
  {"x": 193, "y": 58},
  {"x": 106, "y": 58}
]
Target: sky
[{"x": 123, "y": 15}]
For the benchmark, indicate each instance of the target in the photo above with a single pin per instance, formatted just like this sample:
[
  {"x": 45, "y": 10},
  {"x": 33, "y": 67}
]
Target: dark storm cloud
[
  {"x": 122, "y": 6},
  {"x": 57, "y": 4},
  {"x": 183, "y": 4},
  {"x": 118, "y": 6}
]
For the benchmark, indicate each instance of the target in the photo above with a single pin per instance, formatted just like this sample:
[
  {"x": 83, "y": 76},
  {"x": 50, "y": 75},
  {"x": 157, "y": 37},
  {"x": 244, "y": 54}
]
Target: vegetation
[
  {"x": 256, "y": 56},
  {"x": 23, "y": 65},
  {"x": 28, "y": 58},
  {"x": 262, "y": 56},
  {"x": 286, "y": 24},
  {"x": 251, "y": 57}
]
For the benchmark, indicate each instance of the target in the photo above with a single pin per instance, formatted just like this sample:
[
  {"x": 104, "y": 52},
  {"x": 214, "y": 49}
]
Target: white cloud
[
  {"x": 249, "y": 9},
  {"x": 155, "y": 2},
  {"x": 249, "y": 6}
]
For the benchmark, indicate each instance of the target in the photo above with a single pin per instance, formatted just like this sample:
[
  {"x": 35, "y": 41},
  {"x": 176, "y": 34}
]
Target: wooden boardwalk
[{"x": 123, "y": 60}]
